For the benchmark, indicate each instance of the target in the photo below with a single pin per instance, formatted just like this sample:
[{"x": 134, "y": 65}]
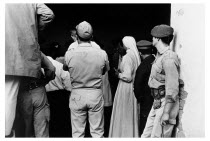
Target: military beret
[
  {"x": 144, "y": 44},
  {"x": 162, "y": 31}
]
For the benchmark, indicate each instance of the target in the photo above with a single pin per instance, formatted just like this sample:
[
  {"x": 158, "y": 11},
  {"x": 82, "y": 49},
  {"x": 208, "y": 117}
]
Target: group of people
[{"x": 149, "y": 98}]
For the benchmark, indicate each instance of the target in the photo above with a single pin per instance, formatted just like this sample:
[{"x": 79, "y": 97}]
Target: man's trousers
[
  {"x": 153, "y": 128},
  {"x": 83, "y": 103},
  {"x": 12, "y": 84},
  {"x": 35, "y": 110}
]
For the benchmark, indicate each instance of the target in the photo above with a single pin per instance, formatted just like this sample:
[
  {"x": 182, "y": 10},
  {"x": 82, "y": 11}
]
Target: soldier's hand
[{"x": 164, "y": 119}]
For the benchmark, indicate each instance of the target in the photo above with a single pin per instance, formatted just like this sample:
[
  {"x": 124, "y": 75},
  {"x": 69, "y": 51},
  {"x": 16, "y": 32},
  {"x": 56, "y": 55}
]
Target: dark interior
[{"x": 110, "y": 22}]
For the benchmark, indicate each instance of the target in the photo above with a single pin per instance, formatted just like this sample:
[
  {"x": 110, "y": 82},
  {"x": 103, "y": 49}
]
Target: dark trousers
[
  {"x": 143, "y": 120},
  {"x": 34, "y": 110}
]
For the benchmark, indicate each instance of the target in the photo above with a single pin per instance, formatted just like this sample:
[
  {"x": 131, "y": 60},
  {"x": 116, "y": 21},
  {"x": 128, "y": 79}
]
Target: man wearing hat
[
  {"x": 164, "y": 84},
  {"x": 86, "y": 65},
  {"x": 75, "y": 43},
  {"x": 141, "y": 88}
]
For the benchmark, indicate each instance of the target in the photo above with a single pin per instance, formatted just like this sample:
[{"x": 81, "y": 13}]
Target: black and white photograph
[{"x": 104, "y": 69}]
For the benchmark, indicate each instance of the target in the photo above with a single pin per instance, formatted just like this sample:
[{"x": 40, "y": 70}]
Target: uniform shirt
[
  {"x": 62, "y": 78},
  {"x": 22, "y": 51},
  {"x": 86, "y": 64},
  {"x": 166, "y": 71},
  {"x": 75, "y": 44},
  {"x": 141, "y": 88}
]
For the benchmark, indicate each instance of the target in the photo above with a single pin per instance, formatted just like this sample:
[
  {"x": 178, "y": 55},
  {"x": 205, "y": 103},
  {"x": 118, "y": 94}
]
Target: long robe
[{"x": 124, "y": 119}]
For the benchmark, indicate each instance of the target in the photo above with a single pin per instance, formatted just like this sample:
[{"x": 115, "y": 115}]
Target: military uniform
[{"x": 164, "y": 84}]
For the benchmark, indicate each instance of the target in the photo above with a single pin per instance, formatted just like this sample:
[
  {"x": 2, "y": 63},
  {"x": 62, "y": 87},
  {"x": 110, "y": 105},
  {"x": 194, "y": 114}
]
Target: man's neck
[
  {"x": 80, "y": 42},
  {"x": 162, "y": 48}
]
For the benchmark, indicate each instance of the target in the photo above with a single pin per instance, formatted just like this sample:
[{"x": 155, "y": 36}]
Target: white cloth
[
  {"x": 130, "y": 43},
  {"x": 12, "y": 84},
  {"x": 62, "y": 78}
]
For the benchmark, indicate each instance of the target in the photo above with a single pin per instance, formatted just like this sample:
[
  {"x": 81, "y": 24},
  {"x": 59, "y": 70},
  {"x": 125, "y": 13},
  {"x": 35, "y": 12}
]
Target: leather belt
[
  {"x": 31, "y": 84},
  {"x": 34, "y": 84},
  {"x": 158, "y": 93}
]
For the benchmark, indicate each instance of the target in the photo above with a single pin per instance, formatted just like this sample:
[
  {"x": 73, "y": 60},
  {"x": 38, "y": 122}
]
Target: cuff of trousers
[{"x": 12, "y": 134}]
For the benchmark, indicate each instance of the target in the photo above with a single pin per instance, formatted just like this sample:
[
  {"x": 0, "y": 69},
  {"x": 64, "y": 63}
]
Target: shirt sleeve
[
  {"x": 126, "y": 74},
  {"x": 171, "y": 78},
  {"x": 72, "y": 46},
  {"x": 106, "y": 65},
  {"x": 45, "y": 15},
  {"x": 48, "y": 67},
  {"x": 65, "y": 77},
  {"x": 66, "y": 60},
  {"x": 107, "y": 62}
]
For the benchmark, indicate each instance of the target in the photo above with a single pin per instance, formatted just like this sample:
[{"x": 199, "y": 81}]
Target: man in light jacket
[
  {"x": 86, "y": 65},
  {"x": 22, "y": 51}
]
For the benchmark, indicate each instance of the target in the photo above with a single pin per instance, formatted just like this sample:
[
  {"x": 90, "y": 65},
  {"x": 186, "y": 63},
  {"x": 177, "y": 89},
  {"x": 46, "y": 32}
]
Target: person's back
[
  {"x": 22, "y": 51},
  {"x": 85, "y": 66}
]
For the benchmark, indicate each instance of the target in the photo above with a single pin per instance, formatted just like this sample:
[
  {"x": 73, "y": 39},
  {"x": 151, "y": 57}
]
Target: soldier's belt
[
  {"x": 31, "y": 84},
  {"x": 158, "y": 93}
]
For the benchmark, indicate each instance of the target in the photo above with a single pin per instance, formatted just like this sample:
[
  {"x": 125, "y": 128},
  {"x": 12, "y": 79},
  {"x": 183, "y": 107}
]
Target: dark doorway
[{"x": 109, "y": 22}]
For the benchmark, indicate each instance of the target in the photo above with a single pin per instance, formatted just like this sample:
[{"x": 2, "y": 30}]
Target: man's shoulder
[
  {"x": 95, "y": 45},
  {"x": 169, "y": 54},
  {"x": 73, "y": 45}
]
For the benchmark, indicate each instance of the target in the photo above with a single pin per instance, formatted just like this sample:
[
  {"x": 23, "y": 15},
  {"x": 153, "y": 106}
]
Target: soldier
[
  {"x": 86, "y": 65},
  {"x": 141, "y": 88},
  {"x": 164, "y": 84}
]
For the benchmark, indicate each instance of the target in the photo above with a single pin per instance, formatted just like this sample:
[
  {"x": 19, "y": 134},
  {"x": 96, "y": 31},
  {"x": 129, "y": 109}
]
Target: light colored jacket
[
  {"x": 62, "y": 78},
  {"x": 86, "y": 64},
  {"x": 22, "y": 51}
]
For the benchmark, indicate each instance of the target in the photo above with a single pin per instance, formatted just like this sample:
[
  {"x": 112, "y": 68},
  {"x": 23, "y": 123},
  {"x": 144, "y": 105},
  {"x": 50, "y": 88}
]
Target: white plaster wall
[{"x": 188, "y": 21}]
